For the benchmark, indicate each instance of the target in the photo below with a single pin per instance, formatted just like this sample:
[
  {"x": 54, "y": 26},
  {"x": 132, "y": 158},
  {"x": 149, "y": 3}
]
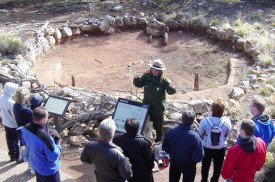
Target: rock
[
  {"x": 229, "y": 33},
  {"x": 30, "y": 51},
  {"x": 78, "y": 141},
  {"x": 85, "y": 28},
  {"x": 175, "y": 116},
  {"x": 119, "y": 21},
  {"x": 49, "y": 31},
  {"x": 198, "y": 24},
  {"x": 232, "y": 103},
  {"x": 57, "y": 34},
  {"x": 126, "y": 20},
  {"x": 110, "y": 19},
  {"x": 77, "y": 129},
  {"x": 200, "y": 106},
  {"x": 104, "y": 26},
  {"x": 94, "y": 27},
  {"x": 64, "y": 133},
  {"x": 44, "y": 43},
  {"x": 247, "y": 46},
  {"x": 234, "y": 39},
  {"x": 251, "y": 78},
  {"x": 76, "y": 31},
  {"x": 172, "y": 24},
  {"x": 26, "y": 84},
  {"x": 117, "y": 8},
  {"x": 73, "y": 26},
  {"x": 236, "y": 93},
  {"x": 239, "y": 43},
  {"x": 51, "y": 40},
  {"x": 221, "y": 34},
  {"x": 23, "y": 67},
  {"x": 142, "y": 21},
  {"x": 184, "y": 23},
  {"x": 165, "y": 18},
  {"x": 212, "y": 31},
  {"x": 253, "y": 52},
  {"x": 133, "y": 20},
  {"x": 67, "y": 32},
  {"x": 245, "y": 84},
  {"x": 269, "y": 88}
]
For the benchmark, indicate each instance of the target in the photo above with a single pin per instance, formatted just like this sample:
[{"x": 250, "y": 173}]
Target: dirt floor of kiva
[{"x": 108, "y": 63}]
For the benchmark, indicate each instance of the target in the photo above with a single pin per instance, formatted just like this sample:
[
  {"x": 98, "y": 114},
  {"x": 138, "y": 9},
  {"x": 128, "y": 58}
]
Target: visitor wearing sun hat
[{"x": 155, "y": 85}]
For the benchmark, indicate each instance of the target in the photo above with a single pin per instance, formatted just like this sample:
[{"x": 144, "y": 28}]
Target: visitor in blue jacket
[
  {"x": 44, "y": 149},
  {"x": 264, "y": 127},
  {"x": 184, "y": 146}
]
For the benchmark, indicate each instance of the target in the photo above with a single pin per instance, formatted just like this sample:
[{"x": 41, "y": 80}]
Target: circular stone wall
[{"x": 108, "y": 63}]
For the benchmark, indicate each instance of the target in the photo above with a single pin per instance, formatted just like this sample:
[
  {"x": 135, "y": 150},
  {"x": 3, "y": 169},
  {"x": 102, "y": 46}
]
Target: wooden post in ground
[
  {"x": 73, "y": 81},
  {"x": 196, "y": 82}
]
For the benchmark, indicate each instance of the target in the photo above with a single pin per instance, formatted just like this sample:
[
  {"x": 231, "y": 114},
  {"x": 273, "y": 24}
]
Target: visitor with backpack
[{"x": 214, "y": 131}]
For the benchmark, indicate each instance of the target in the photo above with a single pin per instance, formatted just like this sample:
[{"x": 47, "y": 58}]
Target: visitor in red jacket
[{"x": 245, "y": 158}]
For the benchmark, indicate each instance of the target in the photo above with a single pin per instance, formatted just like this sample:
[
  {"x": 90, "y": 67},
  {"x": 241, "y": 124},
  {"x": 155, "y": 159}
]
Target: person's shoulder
[
  {"x": 260, "y": 141},
  {"x": 143, "y": 139}
]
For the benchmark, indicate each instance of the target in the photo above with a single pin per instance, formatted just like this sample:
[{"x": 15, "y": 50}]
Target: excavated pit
[{"x": 108, "y": 63}]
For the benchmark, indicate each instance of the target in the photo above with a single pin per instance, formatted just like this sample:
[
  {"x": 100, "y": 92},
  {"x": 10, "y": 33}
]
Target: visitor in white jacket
[{"x": 6, "y": 106}]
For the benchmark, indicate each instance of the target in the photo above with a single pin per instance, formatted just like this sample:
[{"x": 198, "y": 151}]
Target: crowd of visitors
[{"x": 130, "y": 157}]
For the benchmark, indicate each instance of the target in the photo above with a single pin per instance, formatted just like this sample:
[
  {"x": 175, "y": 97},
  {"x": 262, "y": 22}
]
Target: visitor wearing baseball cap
[{"x": 155, "y": 85}]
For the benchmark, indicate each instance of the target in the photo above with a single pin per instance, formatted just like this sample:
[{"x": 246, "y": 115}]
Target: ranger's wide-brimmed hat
[{"x": 158, "y": 64}]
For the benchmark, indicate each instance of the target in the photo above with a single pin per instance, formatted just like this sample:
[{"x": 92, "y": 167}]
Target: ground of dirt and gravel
[{"x": 107, "y": 63}]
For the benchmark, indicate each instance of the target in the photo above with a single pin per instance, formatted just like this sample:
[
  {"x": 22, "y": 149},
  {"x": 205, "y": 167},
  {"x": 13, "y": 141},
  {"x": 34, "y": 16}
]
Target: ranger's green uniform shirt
[{"x": 154, "y": 92}]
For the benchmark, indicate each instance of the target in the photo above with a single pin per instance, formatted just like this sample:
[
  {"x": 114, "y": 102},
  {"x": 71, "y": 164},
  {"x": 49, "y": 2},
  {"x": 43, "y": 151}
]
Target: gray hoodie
[{"x": 6, "y": 105}]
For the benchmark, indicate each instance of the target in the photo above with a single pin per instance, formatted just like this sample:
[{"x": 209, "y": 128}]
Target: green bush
[{"x": 10, "y": 44}]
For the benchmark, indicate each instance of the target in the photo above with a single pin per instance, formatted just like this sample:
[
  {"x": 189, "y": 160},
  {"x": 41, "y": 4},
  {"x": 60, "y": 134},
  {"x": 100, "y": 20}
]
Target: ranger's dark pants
[
  {"x": 158, "y": 126},
  {"x": 12, "y": 142}
]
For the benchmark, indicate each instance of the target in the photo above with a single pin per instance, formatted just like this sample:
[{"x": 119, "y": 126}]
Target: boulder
[
  {"x": 57, "y": 34},
  {"x": 78, "y": 141},
  {"x": 198, "y": 24},
  {"x": 236, "y": 93},
  {"x": 51, "y": 40},
  {"x": 200, "y": 106},
  {"x": 85, "y": 28},
  {"x": 172, "y": 24},
  {"x": 67, "y": 32},
  {"x": 49, "y": 31},
  {"x": 184, "y": 23},
  {"x": 175, "y": 116},
  {"x": 110, "y": 19},
  {"x": 119, "y": 21},
  {"x": 239, "y": 43},
  {"x": 77, "y": 129},
  {"x": 76, "y": 31}
]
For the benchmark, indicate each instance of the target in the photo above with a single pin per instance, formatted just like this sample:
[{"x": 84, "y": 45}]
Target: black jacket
[
  {"x": 138, "y": 150},
  {"x": 110, "y": 163}
]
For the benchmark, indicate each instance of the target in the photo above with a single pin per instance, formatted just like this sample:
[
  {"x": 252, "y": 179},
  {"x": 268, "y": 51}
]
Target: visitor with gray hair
[
  {"x": 110, "y": 163},
  {"x": 138, "y": 149},
  {"x": 185, "y": 148}
]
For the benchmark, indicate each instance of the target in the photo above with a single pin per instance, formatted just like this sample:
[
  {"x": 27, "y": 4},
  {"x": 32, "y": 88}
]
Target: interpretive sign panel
[
  {"x": 128, "y": 108},
  {"x": 57, "y": 105}
]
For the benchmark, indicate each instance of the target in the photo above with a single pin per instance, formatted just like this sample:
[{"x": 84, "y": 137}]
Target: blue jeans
[{"x": 228, "y": 180}]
